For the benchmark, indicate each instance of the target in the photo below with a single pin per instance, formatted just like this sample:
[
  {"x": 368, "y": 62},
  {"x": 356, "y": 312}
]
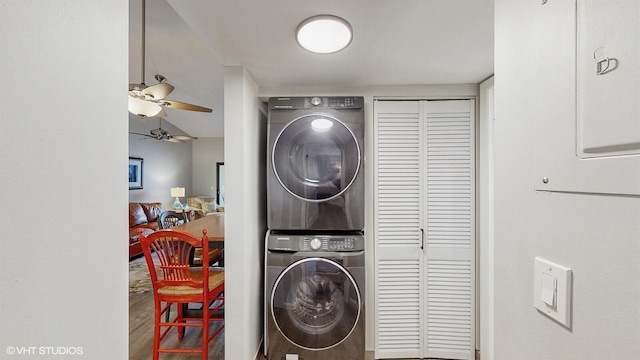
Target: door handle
[{"x": 422, "y": 239}]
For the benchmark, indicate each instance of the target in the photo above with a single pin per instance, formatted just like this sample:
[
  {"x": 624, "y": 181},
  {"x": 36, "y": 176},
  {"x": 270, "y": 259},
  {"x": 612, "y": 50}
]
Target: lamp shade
[{"x": 177, "y": 192}]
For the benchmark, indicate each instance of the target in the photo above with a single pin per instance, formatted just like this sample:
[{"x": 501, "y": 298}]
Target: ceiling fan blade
[
  {"x": 143, "y": 108},
  {"x": 184, "y": 137},
  {"x": 174, "y": 140},
  {"x": 184, "y": 106},
  {"x": 158, "y": 91},
  {"x": 133, "y": 133},
  {"x": 145, "y": 136}
]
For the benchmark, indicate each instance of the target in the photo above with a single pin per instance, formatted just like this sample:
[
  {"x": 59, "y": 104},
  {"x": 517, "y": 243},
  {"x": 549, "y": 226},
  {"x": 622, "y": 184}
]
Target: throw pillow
[
  {"x": 195, "y": 202},
  {"x": 209, "y": 207}
]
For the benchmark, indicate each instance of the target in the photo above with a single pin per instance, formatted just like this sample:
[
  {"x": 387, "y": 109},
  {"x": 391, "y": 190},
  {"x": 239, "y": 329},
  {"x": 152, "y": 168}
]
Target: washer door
[
  {"x": 316, "y": 157},
  {"x": 315, "y": 303}
]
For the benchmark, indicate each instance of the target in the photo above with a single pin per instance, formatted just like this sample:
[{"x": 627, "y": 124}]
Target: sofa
[
  {"x": 143, "y": 216},
  {"x": 203, "y": 205}
]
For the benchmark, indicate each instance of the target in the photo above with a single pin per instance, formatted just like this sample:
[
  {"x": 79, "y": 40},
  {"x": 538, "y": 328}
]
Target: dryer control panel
[
  {"x": 312, "y": 243},
  {"x": 316, "y": 102}
]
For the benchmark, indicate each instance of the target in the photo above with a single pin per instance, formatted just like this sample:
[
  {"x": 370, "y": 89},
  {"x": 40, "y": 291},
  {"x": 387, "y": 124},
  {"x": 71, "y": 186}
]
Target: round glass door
[
  {"x": 315, "y": 303},
  {"x": 316, "y": 157}
]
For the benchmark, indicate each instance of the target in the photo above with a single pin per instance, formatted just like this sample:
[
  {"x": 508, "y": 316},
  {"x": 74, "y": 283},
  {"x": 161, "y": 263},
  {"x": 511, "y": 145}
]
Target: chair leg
[
  {"x": 156, "y": 330},
  {"x": 205, "y": 331},
  {"x": 180, "y": 319},
  {"x": 167, "y": 316}
]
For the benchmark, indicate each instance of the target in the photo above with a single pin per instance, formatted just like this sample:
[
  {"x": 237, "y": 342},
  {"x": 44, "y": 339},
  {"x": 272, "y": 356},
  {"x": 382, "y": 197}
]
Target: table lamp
[{"x": 177, "y": 192}]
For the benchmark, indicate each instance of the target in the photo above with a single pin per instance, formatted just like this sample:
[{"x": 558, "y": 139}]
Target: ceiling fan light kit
[
  {"x": 148, "y": 100},
  {"x": 143, "y": 108}
]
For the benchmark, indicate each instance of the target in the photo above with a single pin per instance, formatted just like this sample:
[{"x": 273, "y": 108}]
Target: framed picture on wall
[{"x": 135, "y": 173}]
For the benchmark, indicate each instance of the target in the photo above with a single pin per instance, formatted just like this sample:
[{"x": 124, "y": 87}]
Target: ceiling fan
[
  {"x": 149, "y": 100},
  {"x": 162, "y": 134}
]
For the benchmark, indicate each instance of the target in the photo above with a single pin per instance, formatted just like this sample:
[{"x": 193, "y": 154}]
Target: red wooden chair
[{"x": 181, "y": 283}]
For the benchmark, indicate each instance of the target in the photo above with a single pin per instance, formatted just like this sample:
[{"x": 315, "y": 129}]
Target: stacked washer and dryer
[{"x": 314, "y": 261}]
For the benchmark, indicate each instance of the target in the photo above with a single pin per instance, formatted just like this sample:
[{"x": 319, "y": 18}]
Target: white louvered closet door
[
  {"x": 398, "y": 181},
  {"x": 425, "y": 230},
  {"x": 449, "y": 224}
]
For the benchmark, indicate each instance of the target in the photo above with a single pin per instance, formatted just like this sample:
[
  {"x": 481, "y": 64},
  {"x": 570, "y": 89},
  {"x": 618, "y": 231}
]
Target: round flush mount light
[{"x": 324, "y": 34}]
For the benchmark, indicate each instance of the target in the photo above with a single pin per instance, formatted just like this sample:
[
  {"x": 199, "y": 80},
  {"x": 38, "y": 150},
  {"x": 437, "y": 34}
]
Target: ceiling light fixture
[{"x": 324, "y": 34}]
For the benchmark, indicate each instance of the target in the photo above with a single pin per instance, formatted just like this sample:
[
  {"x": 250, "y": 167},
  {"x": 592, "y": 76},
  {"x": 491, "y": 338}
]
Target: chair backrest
[
  {"x": 169, "y": 219},
  {"x": 173, "y": 250}
]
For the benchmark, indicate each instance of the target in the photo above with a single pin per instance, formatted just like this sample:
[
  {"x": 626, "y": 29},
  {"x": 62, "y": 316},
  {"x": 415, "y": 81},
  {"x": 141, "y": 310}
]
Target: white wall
[
  {"x": 245, "y": 219},
  {"x": 166, "y": 164},
  {"x": 206, "y": 153},
  {"x": 597, "y": 236},
  {"x": 63, "y": 269},
  {"x": 369, "y": 93},
  {"x": 485, "y": 244}
]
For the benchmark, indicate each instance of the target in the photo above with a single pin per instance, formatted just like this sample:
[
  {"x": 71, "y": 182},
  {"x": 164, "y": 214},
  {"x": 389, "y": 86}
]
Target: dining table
[{"x": 214, "y": 223}]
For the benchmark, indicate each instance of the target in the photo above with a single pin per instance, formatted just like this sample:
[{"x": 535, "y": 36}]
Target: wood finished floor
[{"x": 141, "y": 334}]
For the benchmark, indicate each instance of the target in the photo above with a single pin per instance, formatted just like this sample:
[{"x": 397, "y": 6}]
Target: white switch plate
[{"x": 562, "y": 311}]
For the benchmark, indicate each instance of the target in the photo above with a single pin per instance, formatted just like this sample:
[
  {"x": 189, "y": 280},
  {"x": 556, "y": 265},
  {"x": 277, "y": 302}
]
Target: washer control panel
[
  {"x": 328, "y": 244},
  {"x": 312, "y": 243}
]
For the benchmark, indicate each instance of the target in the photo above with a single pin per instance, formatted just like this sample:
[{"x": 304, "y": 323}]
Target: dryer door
[
  {"x": 315, "y": 303},
  {"x": 316, "y": 157}
]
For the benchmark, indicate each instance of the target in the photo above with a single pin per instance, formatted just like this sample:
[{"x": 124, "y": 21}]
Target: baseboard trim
[{"x": 368, "y": 355}]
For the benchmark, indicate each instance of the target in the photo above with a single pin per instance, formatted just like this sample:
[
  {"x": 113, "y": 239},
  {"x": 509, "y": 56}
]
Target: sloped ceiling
[{"x": 407, "y": 42}]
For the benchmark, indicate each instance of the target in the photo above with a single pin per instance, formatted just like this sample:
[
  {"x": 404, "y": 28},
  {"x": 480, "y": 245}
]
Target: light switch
[
  {"x": 549, "y": 290},
  {"x": 552, "y": 287}
]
